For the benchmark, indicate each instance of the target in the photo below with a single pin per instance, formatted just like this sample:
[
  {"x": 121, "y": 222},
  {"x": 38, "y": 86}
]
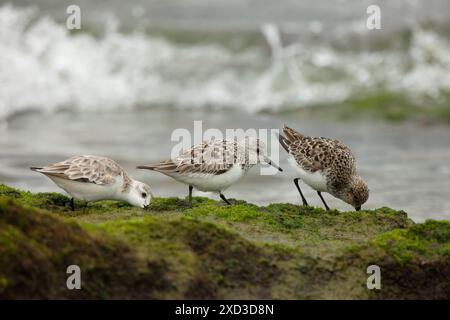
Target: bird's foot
[
  {"x": 224, "y": 199},
  {"x": 72, "y": 204},
  {"x": 187, "y": 204},
  {"x": 224, "y": 204}
]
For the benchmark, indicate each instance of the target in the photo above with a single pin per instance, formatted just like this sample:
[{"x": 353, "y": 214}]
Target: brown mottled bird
[
  {"x": 214, "y": 165},
  {"x": 326, "y": 165}
]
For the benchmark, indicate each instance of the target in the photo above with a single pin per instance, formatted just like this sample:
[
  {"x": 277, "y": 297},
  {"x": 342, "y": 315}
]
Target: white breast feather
[
  {"x": 315, "y": 180},
  {"x": 90, "y": 191},
  {"x": 210, "y": 182}
]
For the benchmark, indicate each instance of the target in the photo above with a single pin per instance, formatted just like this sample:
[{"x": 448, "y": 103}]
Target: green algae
[
  {"x": 202, "y": 255},
  {"x": 280, "y": 251},
  {"x": 384, "y": 105},
  {"x": 429, "y": 240}
]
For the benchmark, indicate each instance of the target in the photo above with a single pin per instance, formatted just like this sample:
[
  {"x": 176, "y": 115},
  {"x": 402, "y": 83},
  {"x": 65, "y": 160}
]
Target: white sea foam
[{"x": 43, "y": 67}]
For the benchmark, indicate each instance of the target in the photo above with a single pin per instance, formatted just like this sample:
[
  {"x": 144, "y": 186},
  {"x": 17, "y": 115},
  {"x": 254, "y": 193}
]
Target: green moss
[
  {"x": 237, "y": 212},
  {"x": 169, "y": 204},
  {"x": 214, "y": 250},
  {"x": 424, "y": 241},
  {"x": 432, "y": 230},
  {"x": 40, "y": 247},
  {"x": 9, "y": 192},
  {"x": 8, "y": 238},
  {"x": 202, "y": 255},
  {"x": 402, "y": 248}
]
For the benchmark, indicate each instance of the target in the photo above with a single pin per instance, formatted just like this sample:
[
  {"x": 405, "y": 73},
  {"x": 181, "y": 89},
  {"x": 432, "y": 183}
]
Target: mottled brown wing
[
  {"x": 214, "y": 157},
  {"x": 321, "y": 153},
  {"x": 94, "y": 169}
]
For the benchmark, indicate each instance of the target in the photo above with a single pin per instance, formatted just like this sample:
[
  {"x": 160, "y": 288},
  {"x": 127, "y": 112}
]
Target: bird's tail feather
[
  {"x": 284, "y": 142},
  {"x": 161, "y": 166},
  {"x": 148, "y": 167}
]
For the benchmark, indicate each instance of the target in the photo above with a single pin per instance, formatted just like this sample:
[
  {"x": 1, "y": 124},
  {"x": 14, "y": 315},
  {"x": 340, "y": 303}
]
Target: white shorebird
[
  {"x": 214, "y": 165},
  {"x": 326, "y": 165},
  {"x": 93, "y": 178}
]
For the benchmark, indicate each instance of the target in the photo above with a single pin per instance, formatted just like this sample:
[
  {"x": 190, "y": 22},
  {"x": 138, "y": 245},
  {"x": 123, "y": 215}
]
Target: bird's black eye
[{"x": 144, "y": 195}]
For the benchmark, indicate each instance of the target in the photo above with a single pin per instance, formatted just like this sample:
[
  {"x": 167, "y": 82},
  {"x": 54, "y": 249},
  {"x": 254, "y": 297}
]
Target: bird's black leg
[
  {"x": 305, "y": 203},
  {"x": 190, "y": 196},
  {"x": 224, "y": 199},
  {"x": 320, "y": 195},
  {"x": 72, "y": 204}
]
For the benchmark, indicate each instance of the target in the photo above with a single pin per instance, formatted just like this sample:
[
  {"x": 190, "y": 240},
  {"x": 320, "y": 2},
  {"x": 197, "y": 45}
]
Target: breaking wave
[{"x": 45, "y": 68}]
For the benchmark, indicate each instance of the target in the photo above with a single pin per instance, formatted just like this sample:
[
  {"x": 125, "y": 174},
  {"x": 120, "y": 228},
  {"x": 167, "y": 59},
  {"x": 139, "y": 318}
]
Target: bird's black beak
[
  {"x": 358, "y": 208},
  {"x": 270, "y": 162}
]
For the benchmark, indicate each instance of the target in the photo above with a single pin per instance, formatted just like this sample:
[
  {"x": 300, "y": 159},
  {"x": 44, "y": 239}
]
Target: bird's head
[
  {"x": 356, "y": 194},
  {"x": 139, "y": 194}
]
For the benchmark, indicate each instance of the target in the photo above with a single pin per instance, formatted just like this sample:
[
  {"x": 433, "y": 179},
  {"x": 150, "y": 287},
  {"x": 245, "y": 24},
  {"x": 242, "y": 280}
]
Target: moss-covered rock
[
  {"x": 36, "y": 248},
  {"x": 281, "y": 251}
]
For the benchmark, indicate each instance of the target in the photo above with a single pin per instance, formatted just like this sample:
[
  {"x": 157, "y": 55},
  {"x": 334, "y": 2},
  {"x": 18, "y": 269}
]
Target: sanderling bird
[
  {"x": 93, "y": 178},
  {"x": 214, "y": 165},
  {"x": 326, "y": 165}
]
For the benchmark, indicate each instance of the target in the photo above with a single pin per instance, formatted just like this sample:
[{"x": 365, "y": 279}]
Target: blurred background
[{"x": 139, "y": 69}]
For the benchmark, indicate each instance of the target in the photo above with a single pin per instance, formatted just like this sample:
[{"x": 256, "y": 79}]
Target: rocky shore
[{"x": 214, "y": 251}]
